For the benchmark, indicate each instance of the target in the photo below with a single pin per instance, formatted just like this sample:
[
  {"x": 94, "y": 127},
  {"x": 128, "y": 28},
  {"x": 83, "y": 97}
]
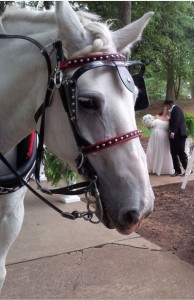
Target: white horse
[{"x": 105, "y": 110}]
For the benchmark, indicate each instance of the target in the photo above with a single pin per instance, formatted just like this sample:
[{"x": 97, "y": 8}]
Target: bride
[{"x": 159, "y": 159}]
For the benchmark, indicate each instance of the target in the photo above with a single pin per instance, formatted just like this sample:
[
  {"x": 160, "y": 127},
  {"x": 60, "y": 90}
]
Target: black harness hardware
[{"x": 68, "y": 91}]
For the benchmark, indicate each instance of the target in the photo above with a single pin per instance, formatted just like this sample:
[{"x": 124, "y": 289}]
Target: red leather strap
[
  {"x": 78, "y": 61},
  {"x": 102, "y": 145}
]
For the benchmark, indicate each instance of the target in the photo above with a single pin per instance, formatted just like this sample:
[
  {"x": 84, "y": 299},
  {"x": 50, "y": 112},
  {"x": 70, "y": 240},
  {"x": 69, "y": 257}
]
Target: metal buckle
[
  {"x": 6, "y": 190},
  {"x": 58, "y": 78}
]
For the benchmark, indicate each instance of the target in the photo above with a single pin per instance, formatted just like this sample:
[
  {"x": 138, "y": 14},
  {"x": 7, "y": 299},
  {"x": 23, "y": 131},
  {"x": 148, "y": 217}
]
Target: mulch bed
[{"x": 171, "y": 224}]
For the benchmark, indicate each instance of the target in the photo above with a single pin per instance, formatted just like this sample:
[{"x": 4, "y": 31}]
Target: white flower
[{"x": 148, "y": 121}]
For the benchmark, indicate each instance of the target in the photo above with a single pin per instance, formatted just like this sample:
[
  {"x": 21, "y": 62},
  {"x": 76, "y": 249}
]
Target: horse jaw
[{"x": 128, "y": 35}]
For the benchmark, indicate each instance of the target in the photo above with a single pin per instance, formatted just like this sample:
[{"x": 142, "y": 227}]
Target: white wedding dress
[{"x": 158, "y": 154}]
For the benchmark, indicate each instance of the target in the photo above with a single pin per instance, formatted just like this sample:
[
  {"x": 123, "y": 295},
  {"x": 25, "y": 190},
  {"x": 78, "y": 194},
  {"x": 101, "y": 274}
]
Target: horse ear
[
  {"x": 71, "y": 31},
  {"x": 131, "y": 33}
]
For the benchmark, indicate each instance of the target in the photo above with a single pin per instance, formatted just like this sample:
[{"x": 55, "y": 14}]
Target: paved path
[{"x": 63, "y": 259}]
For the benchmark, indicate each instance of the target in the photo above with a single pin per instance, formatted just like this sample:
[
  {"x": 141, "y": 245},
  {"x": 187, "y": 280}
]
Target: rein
[{"x": 68, "y": 92}]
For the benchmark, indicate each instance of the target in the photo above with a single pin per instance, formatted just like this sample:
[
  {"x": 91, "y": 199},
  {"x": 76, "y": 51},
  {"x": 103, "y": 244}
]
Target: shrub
[
  {"x": 56, "y": 170},
  {"x": 189, "y": 118}
]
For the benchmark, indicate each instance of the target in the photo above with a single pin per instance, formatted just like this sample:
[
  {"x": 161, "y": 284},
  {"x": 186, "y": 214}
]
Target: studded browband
[{"x": 76, "y": 62}]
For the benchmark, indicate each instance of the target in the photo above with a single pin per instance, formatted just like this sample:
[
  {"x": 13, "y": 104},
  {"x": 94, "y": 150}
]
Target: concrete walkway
[{"x": 63, "y": 259}]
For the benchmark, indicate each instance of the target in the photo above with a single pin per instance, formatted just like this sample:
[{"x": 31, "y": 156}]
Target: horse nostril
[
  {"x": 129, "y": 217},
  {"x": 132, "y": 217}
]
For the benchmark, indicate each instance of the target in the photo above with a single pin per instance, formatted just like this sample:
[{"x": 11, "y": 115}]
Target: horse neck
[
  {"x": 23, "y": 87},
  {"x": 25, "y": 22}
]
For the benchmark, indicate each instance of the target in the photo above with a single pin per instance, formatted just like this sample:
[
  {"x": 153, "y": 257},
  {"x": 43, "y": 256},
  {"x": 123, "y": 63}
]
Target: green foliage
[
  {"x": 145, "y": 131},
  {"x": 105, "y": 9},
  {"x": 167, "y": 42},
  {"x": 56, "y": 170},
  {"x": 3, "y": 5},
  {"x": 189, "y": 118}
]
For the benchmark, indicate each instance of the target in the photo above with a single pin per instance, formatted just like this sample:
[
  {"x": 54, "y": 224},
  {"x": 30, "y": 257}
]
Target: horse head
[
  {"x": 97, "y": 133},
  {"x": 105, "y": 112}
]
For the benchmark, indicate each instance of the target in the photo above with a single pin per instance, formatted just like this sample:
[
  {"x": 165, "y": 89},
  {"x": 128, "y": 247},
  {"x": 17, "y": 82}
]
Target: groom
[{"x": 177, "y": 137}]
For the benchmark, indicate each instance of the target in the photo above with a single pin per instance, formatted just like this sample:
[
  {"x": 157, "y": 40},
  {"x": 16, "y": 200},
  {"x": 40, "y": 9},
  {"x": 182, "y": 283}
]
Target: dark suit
[{"x": 177, "y": 126}]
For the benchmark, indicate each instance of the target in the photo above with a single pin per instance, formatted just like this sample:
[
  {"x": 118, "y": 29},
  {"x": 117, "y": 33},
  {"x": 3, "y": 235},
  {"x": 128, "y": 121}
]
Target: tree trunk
[
  {"x": 2, "y": 6},
  {"x": 177, "y": 87},
  {"x": 170, "y": 92},
  {"x": 192, "y": 90},
  {"x": 124, "y": 12}
]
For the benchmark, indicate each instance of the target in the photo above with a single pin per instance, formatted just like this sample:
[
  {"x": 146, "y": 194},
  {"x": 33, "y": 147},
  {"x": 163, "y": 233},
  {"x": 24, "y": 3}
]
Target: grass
[{"x": 145, "y": 131}]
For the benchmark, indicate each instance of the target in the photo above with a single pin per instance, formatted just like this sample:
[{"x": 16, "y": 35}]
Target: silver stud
[
  {"x": 73, "y": 97},
  {"x": 122, "y": 138},
  {"x": 103, "y": 145},
  {"x": 127, "y": 136},
  {"x": 116, "y": 140},
  {"x": 75, "y": 61},
  {"x": 73, "y": 111},
  {"x": 101, "y": 57},
  {"x": 69, "y": 62},
  {"x": 97, "y": 147},
  {"x": 73, "y": 90},
  {"x": 128, "y": 79},
  {"x": 87, "y": 59},
  {"x": 73, "y": 104},
  {"x": 106, "y": 56},
  {"x": 94, "y": 58},
  {"x": 110, "y": 142},
  {"x": 71, "y": 81},
  {"x": 81, "y": 60}
]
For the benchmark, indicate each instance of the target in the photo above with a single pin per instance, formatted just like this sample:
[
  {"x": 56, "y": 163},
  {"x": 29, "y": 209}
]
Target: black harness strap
[
  {"x": 46, "y": 103},
  {"x": 28, "y": 186},
  {"x": 76, "y": 189},
  {"x": 72, "y": 190},
  {"x": 67, "y": 89}
]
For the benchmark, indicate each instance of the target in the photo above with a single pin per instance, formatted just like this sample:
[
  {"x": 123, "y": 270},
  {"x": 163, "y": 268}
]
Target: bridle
[{"x": 68, "y": 91}]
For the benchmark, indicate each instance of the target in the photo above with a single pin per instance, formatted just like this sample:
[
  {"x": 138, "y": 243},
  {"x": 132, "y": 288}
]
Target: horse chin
[
  {"x": 106, "y": 220},
  {"x": 129, "y": 230},
  {"x": 124, "y": 229}
]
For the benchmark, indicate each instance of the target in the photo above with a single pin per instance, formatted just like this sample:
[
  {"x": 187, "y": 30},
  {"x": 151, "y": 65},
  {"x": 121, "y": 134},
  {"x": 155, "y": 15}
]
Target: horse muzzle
[{"x": 127, "y": 221}]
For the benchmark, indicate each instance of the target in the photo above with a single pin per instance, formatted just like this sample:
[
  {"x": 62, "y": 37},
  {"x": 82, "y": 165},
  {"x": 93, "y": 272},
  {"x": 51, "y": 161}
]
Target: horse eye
[{"x": 88, "y": 102}]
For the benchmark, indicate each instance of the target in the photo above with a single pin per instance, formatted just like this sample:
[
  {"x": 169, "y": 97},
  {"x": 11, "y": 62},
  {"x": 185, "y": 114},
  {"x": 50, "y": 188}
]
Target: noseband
[{"x": 68, "y": 91}]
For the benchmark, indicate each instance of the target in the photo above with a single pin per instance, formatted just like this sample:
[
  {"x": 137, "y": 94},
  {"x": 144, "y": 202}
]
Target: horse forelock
[{"x": 100, "y": 32}]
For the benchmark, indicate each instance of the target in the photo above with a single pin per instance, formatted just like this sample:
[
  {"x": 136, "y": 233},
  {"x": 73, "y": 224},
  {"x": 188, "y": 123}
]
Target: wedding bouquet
[{"x": 148, "y": 121}]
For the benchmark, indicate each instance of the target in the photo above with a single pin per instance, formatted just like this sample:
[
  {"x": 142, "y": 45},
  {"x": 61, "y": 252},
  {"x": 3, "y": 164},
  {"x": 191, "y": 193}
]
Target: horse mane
[{"x": 100, "y": 32}]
